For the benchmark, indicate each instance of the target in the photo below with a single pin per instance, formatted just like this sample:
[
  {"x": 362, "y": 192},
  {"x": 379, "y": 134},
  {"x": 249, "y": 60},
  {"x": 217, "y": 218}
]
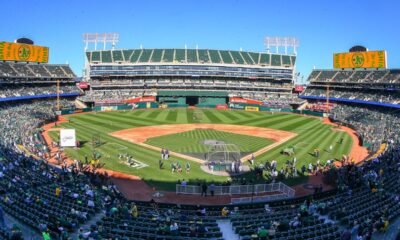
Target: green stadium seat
[
  {"x": 127, "y": 55},
  {"x": 96, "y": 56},
  {"x": 247, "y": 58},
  {"x": 203, "y": 56},
  {"x": 117, "y": 56},
  {"x": 214, "y": 56},
  {"x": 293, "y": 60},
  {"x": 286, "y": 60},
  {"x": 168, "y": 55},
  {"x": 255, "y": 57},
  {"x": 192, "y": 55},
  {"x": 237, "y": 57},
  {"x": 276, "y": 60},
  {"x": 265, "y": 58},
  {"x": 226, "y": 57},
  {"x": 146, "y": 54},
  {"x": 157, "y": 55},
  {"x": 136, "y": 54},
  {"x": 106, "y": 56},
  {"x": 180, "y": 55}
]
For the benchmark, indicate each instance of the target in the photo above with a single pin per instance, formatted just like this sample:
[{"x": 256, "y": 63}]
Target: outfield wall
[{"x": 155, "y": 105}]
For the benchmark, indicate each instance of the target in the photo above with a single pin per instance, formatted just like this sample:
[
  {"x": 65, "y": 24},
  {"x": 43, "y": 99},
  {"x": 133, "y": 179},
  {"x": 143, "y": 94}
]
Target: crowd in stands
[
  {"x": 57, "y": 202},
  {"x": 33, "y": 89},
  {"x": 175, "y": 83},
  {"x": 374, "y": 125},
  {"x": 269, "y": 99},
  {"x": 10, "y": 70},
  {"x": 114, "y": 95},
  {"x": 381, "y": 96},
  {"x": 355, "y": 76}
]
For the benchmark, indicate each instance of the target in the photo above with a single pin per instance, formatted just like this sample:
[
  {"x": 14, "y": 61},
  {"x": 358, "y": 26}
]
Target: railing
[
  {"x": 285, "y": 192},
  {"x": 257, "y": 199},
  {"x": 239, "y": 189}
]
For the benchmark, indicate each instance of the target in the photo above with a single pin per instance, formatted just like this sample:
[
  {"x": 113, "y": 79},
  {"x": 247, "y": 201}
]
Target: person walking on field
[
  {"x": 166, "y": 154},
  {"x": 187, "y": 167},
  {"x": 252, "y": 159}
]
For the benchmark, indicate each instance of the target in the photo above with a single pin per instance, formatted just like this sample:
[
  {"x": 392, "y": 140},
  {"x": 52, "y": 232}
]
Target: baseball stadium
[{"x": 197, "y": 143}]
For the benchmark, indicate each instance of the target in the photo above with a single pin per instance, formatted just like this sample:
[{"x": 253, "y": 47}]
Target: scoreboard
[{"x": 23, "y": 52}]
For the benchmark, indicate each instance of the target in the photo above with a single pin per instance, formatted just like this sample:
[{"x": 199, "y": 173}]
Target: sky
[{"x": 322, "y": 27}]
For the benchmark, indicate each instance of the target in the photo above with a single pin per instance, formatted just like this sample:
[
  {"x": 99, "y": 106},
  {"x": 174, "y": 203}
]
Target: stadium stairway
[
  {"x": 87, "y": 225},
  {"x": 27, "y": 231},
  {"x": 302, "y": 106},
  {"x": 80, "y": 104},
  {"x": 392, "y": 232},
  {"x": 226, "y": 228}
]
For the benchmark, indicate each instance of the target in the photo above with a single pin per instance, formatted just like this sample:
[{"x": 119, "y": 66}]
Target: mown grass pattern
[{"x": 311, "y": 134}]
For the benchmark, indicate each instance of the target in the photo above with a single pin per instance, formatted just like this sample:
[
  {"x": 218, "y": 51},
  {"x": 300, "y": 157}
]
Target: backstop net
[{"x": 223, "y": 152}]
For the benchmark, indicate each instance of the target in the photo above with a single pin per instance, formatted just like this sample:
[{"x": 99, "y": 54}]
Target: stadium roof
[{"x": 189, "y": 56}]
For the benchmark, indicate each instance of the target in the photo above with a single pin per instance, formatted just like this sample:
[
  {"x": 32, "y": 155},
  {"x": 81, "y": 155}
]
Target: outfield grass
[
  {"x": 192, "y": 141},
  {"x": 311, "y": 134}
]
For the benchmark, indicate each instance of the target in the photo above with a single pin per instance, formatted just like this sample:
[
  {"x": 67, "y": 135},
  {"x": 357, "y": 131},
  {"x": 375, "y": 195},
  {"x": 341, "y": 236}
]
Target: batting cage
[{"x": 222, "y": 156}]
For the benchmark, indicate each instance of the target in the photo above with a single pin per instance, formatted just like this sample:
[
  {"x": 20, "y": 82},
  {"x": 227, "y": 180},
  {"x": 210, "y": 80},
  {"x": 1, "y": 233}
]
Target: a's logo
[
  {"x": 358, "y": 59},
  {"x": 24, "y": 52}
]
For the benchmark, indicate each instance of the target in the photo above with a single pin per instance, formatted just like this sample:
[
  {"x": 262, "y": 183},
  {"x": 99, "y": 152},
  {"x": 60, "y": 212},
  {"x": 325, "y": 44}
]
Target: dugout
[{"x": 192, "y": 98}]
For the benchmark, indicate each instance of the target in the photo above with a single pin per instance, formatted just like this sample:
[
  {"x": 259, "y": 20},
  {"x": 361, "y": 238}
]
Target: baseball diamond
[
  {"x": 145, "y": 132},
  {"x": 190, "y": 124}
]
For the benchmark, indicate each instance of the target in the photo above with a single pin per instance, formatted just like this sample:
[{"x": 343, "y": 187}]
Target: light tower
[
  {"x": 94, "y": 38},
  {"x": 286, "y": 42}
]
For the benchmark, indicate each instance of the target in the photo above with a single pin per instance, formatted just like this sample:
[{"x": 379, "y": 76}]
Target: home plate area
[{"x": 133, "y": 163}]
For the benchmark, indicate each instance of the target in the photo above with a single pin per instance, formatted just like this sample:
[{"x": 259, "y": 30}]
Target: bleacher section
[
  {"x": 356, "y": 76},
  {"x": 15, "y": 91},
  {"x": 180, "y": 55},
  {"x": 157, "y": 55},
  {"x": 203, "y": 56},
  {"x": 9, "y": 70},
  {"x": 145, "y": 56},
  {"x": 135, "y": 55},
  {"x": 375, "y": 87},
  {"x": 117, "y": 56},
  {"x": 191, "y": 56},
  {"x": 265, "y": 59},
  {"x": 168, "y": 55}
]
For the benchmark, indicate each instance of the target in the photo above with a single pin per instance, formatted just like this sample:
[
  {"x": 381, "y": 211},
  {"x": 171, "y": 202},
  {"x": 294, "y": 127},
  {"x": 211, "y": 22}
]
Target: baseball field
[{"x": 142, "y": 133}]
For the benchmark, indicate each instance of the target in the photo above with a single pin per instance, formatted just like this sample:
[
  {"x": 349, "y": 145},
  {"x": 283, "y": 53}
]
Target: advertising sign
[
  {"x": 23, "y": 52},
  {"x": 370, "y": 59}
]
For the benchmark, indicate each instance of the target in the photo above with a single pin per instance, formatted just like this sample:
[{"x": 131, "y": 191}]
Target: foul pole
[
  {"x": 327, "y": 98},
  {"x": 58, "y": 95}
]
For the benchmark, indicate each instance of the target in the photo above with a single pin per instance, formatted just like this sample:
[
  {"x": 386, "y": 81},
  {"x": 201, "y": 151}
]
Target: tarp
[
  {"x": 141, "y": 99},
  {"x": 41, "y": 96},
  {"x": 244, "y": 100}
]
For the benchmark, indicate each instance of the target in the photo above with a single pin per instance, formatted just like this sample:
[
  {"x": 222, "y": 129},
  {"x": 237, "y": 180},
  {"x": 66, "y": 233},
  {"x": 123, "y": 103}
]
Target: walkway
[
  {"x": 226, "y": 228},
  {"x": 86, "y": 226},
  {"x": 27, "y": 231}
]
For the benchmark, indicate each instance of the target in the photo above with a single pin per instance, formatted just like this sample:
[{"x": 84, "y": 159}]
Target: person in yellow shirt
[
  {"x": 134, "y": 210},
  {"x": 58, "y": 191},
  {"x": 224, "y": 212}
]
